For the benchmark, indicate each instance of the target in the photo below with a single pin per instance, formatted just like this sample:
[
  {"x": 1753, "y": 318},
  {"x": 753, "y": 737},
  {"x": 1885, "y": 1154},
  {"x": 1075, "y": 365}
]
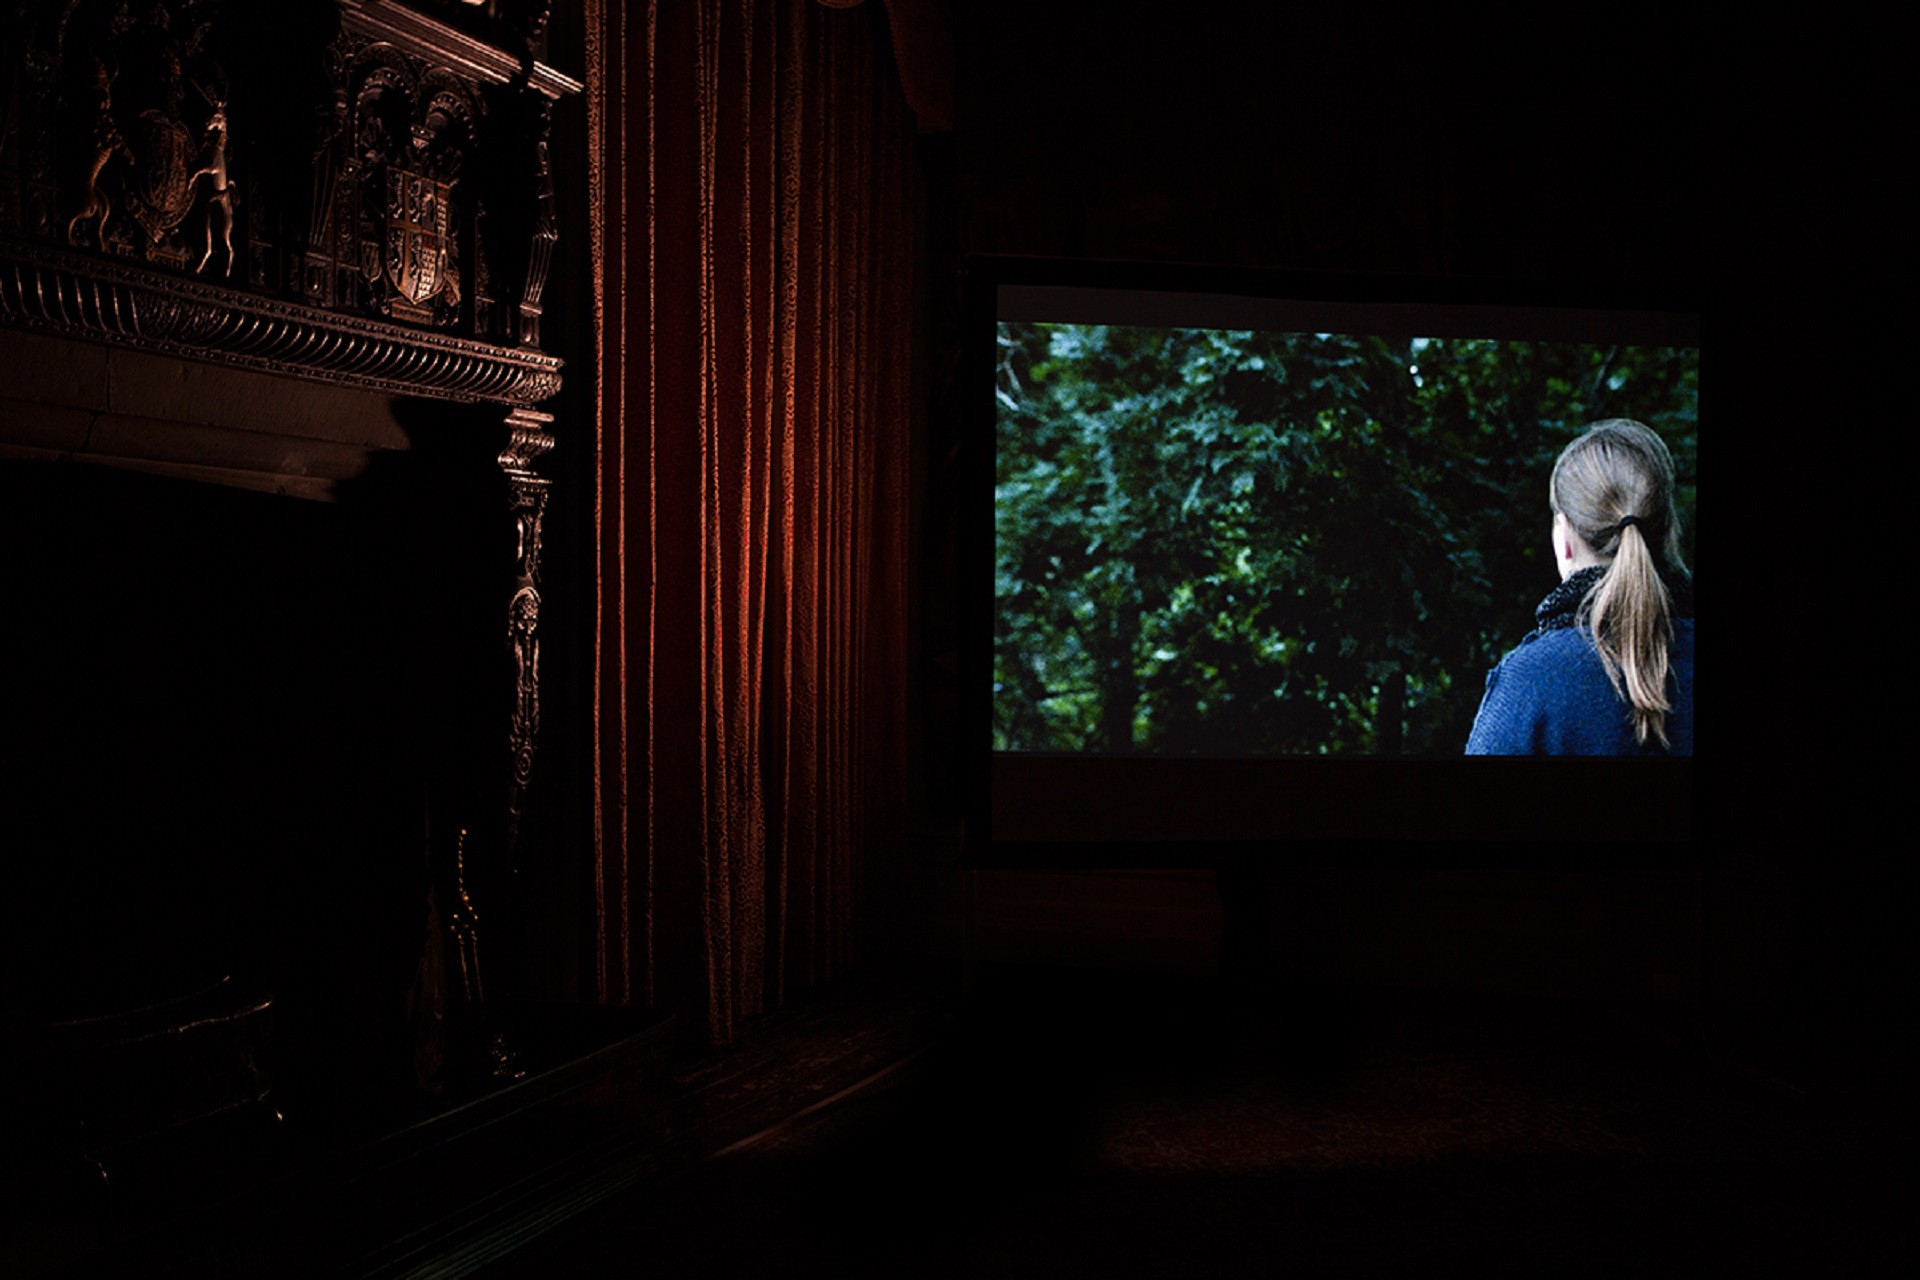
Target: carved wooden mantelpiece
[{"x": 349, "y": 192}]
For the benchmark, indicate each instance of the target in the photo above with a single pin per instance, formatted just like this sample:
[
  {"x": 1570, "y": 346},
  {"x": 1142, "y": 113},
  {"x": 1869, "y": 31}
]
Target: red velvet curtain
[{"x": 750, "y": 190}]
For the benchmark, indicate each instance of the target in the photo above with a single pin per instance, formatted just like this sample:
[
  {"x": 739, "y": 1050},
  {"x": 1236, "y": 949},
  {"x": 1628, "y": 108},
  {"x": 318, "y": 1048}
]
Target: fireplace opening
[{"x": 243, "y": 732}]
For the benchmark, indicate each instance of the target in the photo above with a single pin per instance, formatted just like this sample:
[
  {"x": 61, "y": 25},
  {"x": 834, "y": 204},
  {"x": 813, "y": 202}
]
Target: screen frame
[{"x": 1057, "y": 811}]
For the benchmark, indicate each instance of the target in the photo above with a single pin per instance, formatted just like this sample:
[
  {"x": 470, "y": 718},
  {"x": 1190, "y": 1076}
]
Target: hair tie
[{"x": 1625, "y": 521}]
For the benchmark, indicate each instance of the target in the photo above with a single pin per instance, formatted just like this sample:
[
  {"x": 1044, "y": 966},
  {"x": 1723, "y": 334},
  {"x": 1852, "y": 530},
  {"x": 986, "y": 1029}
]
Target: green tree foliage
[{"x": 1215, "y": 542}]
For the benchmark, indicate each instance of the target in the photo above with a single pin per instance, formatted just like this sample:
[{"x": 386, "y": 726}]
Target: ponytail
[
  {"x": 1615, "y": 486},
  {"x": 1630, "y": 612}
]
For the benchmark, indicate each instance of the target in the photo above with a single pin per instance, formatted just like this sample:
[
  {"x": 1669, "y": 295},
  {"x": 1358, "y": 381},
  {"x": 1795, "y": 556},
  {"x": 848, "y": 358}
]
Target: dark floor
[{"x": 1057, "y": 1123}]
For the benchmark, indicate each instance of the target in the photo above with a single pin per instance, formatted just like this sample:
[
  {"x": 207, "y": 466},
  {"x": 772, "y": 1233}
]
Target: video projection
[{"x": 1240, "y": 527}]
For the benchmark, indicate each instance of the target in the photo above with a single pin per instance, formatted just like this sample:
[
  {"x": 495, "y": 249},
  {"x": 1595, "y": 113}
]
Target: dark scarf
[{"x": 1561, "y": 608}]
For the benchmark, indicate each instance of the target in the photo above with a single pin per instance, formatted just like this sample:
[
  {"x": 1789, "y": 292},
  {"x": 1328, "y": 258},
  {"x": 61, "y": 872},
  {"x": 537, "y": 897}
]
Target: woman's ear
[{"x": 1569, "y": 551}]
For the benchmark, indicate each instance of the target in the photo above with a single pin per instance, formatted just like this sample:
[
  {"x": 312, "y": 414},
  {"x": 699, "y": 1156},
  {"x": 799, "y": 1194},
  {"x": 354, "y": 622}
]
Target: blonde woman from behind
[{"x": 1608, "y": 668}]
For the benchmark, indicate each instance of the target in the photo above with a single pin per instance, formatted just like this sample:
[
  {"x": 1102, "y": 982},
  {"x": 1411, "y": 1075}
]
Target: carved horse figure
[{"x": 107, "y": 143}]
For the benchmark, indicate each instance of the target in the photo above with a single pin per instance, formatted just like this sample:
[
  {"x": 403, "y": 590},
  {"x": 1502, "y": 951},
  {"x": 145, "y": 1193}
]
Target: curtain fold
[{"x": 749, "y": 183}]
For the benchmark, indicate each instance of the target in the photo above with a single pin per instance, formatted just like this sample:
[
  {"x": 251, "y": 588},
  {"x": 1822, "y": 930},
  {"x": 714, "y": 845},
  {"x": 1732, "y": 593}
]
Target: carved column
[
  {"x": 528, "y": 437},
  {"x": 545, "y": 223}
]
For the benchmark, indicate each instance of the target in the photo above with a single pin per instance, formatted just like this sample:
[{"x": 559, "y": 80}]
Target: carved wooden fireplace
[{"x": 271, "y": 403}]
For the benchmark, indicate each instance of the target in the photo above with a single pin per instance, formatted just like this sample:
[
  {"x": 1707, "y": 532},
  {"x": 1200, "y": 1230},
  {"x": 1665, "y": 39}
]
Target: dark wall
[{"x": 1334, "y": 137}]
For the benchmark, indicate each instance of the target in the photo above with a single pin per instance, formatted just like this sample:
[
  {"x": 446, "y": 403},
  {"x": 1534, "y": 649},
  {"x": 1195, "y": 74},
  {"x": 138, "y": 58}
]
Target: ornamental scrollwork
[{"x": 71, "y": 294}]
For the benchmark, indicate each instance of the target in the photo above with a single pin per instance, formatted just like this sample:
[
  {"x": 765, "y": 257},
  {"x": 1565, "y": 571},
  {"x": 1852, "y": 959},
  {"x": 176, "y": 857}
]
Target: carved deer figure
[{"x": 214, "y": 167}]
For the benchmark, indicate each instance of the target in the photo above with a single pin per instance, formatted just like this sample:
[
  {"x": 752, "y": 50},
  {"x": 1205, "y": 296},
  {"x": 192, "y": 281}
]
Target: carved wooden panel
[{"x": 350, "y": 190}]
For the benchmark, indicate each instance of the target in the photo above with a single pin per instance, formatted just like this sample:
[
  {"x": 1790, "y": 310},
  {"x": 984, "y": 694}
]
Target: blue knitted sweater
[{"x": 1551, "y": 695}]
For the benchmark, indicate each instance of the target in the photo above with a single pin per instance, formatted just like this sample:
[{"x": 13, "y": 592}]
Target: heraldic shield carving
[
  {"x": 419, "y": 237},
  {"x": 160, "y": 186}
]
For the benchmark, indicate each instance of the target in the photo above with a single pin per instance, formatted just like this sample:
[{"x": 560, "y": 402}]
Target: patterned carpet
[{"x": 1084, "y": 1125}]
